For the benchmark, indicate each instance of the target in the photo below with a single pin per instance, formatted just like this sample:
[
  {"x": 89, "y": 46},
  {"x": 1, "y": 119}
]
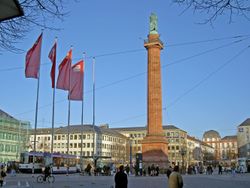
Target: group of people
[
  {"x": 174, "y": 178},
  {"x": 153, "y": 171},
  {"x": 2, "y": 175}
]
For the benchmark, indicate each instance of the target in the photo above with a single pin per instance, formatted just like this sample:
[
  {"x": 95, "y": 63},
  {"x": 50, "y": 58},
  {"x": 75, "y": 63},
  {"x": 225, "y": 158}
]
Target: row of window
[
  {"x": 89, "y": 153},
  {"x": 10, "y": 136},
  {"x": 8, "y": 148},
  {"x": 138, "y": 135},
  {"x": 79, "y": 137},
  {"x": 173, "y": 148},
  {"x": 224, "y": 145},
  {"x": 85, "y": 145}
]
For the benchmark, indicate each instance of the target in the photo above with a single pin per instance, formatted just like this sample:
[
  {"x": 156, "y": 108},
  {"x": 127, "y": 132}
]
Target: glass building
[{"x": 14, "y": 136}]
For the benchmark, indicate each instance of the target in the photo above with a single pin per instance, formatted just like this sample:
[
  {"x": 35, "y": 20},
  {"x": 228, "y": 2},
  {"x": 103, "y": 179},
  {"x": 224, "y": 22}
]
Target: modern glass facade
[{"x": 14, "y": 136}]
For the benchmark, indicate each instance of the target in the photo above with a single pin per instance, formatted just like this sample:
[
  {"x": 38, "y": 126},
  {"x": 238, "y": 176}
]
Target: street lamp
[
  {"x": 130, "y": 154},
  {"x": 10, "y": 9},
  {"x": 183, "y": 152}
]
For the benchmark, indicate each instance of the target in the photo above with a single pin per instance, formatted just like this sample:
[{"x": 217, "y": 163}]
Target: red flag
[
  {"x": 32, "y": 62},
  {"x": 52, "y": 56},
  {"x": 76, "y": 81},
  {"x": 64, "y": 72}
]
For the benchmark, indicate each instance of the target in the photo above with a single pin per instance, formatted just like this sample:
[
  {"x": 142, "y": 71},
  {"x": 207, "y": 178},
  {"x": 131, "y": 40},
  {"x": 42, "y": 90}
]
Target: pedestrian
[
  {"x": 127, "y": 169},
  {"x": 220, "y": 169},
  {"x": 233, "y": 170},
  {"x": 2, "y": 175},
  {"x": 169, "y": 171},
  {"x": 121, "y": 179},
  {"x": 175, "y": 179},
  {"x": 149, "y": 170},
  {"x": 152, "y": 170},
  {"x": 157, "y": 170}
]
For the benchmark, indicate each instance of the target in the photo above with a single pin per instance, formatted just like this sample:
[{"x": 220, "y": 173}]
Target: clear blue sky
[{"x": 198, "y": 95}]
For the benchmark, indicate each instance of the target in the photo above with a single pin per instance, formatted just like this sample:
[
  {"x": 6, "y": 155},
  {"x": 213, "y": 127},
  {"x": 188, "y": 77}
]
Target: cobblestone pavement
[{"x": 76, "y": 180}]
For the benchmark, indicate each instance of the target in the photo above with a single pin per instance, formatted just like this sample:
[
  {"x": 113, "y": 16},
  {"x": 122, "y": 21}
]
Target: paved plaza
[{"x": 76, "y": 180}]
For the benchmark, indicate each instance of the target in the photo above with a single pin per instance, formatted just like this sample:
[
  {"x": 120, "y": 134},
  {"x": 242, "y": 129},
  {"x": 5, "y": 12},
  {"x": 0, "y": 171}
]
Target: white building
[{"x": 101, "y": 142}]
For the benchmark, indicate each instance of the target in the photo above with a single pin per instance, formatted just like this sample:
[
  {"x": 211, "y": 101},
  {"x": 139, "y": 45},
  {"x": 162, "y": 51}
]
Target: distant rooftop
[
  {"x": 5, "y": 115},
  {"x": 78, "y": 129},
  {"x": 232, "y": 137},
  {"x": 211, "y": 134},
  {"x": 165, "y": 127},
  {"x": 245, "y": 123}
]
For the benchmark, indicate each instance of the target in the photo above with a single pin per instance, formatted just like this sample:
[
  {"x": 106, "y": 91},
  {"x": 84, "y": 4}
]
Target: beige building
[
  {"x": 225, "y": 148},
  {"x": 229, "y": 148},
  {"x": 213, "y": 138},
  {"x": 198, "y": 151},
  {"x": 243, "y": 138},
  {"x": 109, "y": 146},
  {"x": 177, "y": 141}
]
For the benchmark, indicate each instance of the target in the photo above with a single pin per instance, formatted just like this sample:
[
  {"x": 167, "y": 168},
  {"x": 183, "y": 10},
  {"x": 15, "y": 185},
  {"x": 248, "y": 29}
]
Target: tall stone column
[{"x": 154, "y": 145}]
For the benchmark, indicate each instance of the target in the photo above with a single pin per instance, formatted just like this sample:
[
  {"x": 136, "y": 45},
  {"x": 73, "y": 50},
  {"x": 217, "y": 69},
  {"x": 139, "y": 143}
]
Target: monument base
[{"x": 154, "y": 152}]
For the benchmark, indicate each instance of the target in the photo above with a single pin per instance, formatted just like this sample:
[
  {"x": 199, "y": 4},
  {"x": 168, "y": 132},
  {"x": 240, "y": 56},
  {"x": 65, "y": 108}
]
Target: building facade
[
  {"x": 225, "y": 148},
  {"x": 243, "y": 138},
  {"x": 14, "y": 136},
  {"x": 229, "y": 148},
  {"x": 93, "y": 141},
  {"x": 177, "y": 141},
  {"x": 213, "y": 138}
]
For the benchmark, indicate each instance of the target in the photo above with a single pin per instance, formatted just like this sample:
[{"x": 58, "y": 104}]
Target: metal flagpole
[
  {"x": 68, "y": 121},
  {"x": 37, "y": 97},
  {"x": 93, "y": 74},
  {"x": 34, "y": 149},
  {"x": 53, "y": 120},
  {"x": 84, "y": 60}
]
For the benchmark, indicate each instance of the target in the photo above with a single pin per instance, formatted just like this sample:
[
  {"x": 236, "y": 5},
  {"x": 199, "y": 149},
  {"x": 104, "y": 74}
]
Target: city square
[
  {"x": 76, "y": 180},
  {"x": 82, "y": 77}
]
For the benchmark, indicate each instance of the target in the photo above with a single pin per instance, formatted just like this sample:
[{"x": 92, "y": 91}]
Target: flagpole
[
  {"x": 53, "y": 118},
  {"x": 36, "y": 115},
  {"x": 37, "y": 97},
  {"x": 68, "y": 121},
  {"x": 84, "y": 61},
  {"x": 93, "y": 74}
]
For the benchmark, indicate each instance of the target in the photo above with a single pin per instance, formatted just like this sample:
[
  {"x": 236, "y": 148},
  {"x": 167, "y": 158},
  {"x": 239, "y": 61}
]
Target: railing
[{"x": 152, "y": 41}]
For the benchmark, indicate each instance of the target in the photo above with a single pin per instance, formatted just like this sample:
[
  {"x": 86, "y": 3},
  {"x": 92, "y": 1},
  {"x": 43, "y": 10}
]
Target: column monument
[{"x": 154, "y": 145}]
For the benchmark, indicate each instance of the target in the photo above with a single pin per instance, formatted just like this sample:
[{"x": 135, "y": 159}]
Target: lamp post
[
  {"x": 130, "y": 155},
  {"x": 183, "y": 152}
]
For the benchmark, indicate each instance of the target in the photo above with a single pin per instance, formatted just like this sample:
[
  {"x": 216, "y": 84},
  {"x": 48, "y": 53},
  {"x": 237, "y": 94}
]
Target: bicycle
[{"x": 50, "y": 178}]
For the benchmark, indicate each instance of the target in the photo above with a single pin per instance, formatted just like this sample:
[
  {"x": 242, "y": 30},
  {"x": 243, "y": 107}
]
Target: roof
[
  {"x": 193, "y": 138},
  {"x": 232, "y": 137},
  {"x": 205, "y": 144},
  {"x": 165, "y": 127},
  {"x": 245, "y": 123},
  {"x": 211, "y": 134},
  {"x": 5, "y": 115},
  {"x": 78, "y": 129}
]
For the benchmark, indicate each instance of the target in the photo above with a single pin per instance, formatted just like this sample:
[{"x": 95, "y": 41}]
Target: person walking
[
  {"x": 121, "y": 179},
  {"x": 220, "y": 169},
  {"x": 169, "y": 171},
  {"x": 2, "y": 175},
  {"x": 157, "y": 170},
  {"x": 149, "y": 171},
  {"x": 175, "y": 179}
]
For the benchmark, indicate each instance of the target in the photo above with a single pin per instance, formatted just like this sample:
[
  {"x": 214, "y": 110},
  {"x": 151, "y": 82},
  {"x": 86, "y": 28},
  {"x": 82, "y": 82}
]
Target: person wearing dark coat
[{"x": 121, "y": 179}]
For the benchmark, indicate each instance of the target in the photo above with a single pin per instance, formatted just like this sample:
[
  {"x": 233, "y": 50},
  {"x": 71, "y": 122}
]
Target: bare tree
[
  {"x": 216, "y": 8},
  {"x": 37, "y": 13}
]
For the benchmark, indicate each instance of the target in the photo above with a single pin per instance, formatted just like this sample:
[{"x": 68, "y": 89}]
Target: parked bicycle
[{"x": 50, "y": 178}]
